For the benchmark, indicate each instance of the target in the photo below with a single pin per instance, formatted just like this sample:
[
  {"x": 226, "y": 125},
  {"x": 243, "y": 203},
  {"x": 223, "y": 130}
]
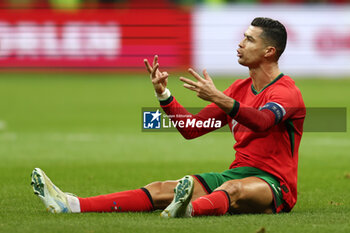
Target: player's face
[{"x": 252, "y": 48}]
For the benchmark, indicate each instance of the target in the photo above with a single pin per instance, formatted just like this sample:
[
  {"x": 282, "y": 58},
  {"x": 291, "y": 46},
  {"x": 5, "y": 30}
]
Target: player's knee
[
  {"x": 154, "y": 188},
  {"x": 160, "y": 188},
  {"x": 161, "y": 192},
  {"x": 234, "y": 189}
]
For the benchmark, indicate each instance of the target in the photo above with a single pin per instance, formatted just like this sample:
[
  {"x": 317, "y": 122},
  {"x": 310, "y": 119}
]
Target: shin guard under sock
[
  {"x": 216, "y": 203},
  {"x": 138, "y": 200}
]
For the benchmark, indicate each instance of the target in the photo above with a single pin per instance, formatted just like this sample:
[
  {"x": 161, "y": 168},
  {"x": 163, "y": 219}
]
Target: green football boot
[
  {"x": 181, "y": 206},
  {"x": 53, "y": 198}
]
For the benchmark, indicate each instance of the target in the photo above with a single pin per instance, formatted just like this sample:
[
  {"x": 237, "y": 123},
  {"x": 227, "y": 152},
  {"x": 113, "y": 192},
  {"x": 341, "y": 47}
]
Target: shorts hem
[
  {"x": 203, "y": 183},
  {"x": 274, "y": 197}
]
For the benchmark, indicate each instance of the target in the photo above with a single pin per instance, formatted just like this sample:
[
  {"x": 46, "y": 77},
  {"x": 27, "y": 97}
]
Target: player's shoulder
[
  {"x": 286, "y": 80},
  {"x": 285, "y": 88},
  {"x": 286, "y": 84}
]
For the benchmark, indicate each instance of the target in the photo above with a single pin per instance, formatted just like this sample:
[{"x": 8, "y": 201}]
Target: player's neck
[{"x": 263, "y": 75}]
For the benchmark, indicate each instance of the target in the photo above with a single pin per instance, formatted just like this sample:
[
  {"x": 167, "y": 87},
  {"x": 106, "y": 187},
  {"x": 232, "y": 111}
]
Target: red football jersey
[{"x": 273, "y": 149}]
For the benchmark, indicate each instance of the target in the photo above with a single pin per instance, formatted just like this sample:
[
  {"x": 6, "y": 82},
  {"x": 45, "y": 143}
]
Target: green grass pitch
[{"x": 84, "y": 131}]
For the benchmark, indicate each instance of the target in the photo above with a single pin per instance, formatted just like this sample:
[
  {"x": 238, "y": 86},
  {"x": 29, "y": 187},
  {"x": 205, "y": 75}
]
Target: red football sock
[
  {"x": 128, "y": 201},
  {"x": 216, "y": 203}
]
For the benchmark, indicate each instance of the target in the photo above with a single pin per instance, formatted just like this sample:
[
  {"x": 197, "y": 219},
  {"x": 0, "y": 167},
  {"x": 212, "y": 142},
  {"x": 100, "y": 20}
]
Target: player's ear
[{"x": 270, "y": 51}]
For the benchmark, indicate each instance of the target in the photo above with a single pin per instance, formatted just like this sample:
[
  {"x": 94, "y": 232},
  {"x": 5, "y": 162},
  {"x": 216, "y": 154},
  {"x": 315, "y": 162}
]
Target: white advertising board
[{"x": 318, "y": 38}]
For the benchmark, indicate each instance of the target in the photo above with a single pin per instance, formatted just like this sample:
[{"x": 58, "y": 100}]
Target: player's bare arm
[{"x": 206, "y": 90}]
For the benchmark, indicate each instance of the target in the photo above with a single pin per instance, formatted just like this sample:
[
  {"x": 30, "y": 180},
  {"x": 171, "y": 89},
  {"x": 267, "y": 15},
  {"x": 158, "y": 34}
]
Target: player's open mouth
[{"x": 239, "y": 54}]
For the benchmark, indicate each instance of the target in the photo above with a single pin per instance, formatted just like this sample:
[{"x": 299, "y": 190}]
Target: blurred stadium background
[
  {"x": 117, "y": 35},
  {"x": 73, "y": 83}
]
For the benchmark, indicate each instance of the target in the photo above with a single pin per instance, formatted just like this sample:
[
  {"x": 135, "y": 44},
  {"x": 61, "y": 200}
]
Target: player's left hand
[{"x": 204, "y": 87}]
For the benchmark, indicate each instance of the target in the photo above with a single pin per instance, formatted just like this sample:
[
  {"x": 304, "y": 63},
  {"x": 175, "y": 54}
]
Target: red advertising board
[{"x": 110, "y": 39}]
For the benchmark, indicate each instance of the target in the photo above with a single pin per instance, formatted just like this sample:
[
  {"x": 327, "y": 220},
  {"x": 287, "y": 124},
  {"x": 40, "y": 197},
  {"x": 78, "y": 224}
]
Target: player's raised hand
[
  {"x": 204, "y": 87},
  {"x": 159, "y": 79}
]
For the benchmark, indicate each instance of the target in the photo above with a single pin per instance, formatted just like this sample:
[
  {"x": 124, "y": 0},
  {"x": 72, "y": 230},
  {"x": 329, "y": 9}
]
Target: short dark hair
[{"x": 274, "y": 33}]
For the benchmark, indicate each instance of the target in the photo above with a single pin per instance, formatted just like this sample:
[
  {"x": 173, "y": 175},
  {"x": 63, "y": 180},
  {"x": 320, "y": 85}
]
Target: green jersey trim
[{"x": 255, "y": 92}]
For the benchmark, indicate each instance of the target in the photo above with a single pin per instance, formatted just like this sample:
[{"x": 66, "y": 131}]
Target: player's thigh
[
  {"x": 198, "y": 191},
  {"x": 249, "y": 195}
]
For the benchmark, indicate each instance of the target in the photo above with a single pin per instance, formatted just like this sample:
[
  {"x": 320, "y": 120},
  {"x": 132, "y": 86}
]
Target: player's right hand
[{"x": 159, "y": 79}]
